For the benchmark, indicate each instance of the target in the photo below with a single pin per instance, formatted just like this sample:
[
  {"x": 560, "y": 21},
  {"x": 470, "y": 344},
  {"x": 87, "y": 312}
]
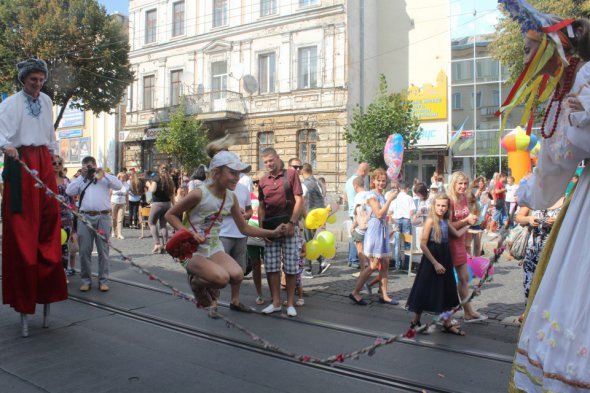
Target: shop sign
[
  {"x": 131, "y": 136},
  {"x": 430, "y": 102},
  {"x": 433, "y": 134},
  {"x": 151, "y": 133},
  {"x": 72, "y": 117},
  {"x": 75, "y": 133}
]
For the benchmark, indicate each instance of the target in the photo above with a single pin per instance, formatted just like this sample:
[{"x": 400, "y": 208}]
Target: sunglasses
[
  {"x": 55, "y": 163},
  {"x": 255, "y": 182},
  {"x": 297, "y": 167}
]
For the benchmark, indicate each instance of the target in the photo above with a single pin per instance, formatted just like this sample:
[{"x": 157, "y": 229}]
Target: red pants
[{"x": 32, "y": 271}]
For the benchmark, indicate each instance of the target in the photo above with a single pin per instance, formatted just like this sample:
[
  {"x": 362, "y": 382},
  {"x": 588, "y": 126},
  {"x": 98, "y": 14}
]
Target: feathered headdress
[{"x": 531, "y": 86}]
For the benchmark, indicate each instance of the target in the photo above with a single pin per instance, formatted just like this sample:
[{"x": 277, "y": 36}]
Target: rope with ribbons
[{"x": 331, "y": 360}]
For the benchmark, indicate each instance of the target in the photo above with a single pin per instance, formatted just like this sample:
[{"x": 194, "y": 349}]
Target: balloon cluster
[
  {"x": 393, "y": 154},
  {"x": 324, "y": 243}
]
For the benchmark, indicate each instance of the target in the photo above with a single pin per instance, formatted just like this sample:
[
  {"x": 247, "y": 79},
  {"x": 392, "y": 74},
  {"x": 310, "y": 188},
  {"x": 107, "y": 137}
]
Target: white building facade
[{"x": 271, "y": 72}]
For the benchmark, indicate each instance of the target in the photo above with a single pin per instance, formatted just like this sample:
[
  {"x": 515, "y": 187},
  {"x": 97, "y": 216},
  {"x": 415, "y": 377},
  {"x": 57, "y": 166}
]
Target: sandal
[
  {"x": 299, "y": 303},
  {"x": 213, "y": 314},
  {"x": 414, "y": 325},
  {"x": 240, "y": 307},
  {"x": 157, "y": 249},
  {"x": 260, "y": 300},
  {"x": 452, "y": 329}
]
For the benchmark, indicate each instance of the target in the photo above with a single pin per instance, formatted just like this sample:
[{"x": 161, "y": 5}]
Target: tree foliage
[
  {"x": 86, "y": 51},
  {"x": 487, "y": 166},
  {"x": 507, "y": 45},
  {"x": 184, "y": 138},
  {"x": 387, "y": 114}
]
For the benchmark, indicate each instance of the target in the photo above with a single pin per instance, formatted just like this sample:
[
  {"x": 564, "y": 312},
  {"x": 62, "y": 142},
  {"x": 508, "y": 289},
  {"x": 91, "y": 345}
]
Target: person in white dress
[{"x": 552, "y": 352}]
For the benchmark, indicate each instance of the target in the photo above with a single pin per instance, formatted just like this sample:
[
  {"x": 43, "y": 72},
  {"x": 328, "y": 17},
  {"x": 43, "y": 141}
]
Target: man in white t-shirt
[
  {"x": 235, "y": 243},
  {"x": 401, "y": 212},
  {"x": 349, "y": 193},
  {"x": 511, "y": 201}
]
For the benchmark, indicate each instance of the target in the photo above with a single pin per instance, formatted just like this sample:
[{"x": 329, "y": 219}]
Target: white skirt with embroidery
[{"x": 553, "y": 351}]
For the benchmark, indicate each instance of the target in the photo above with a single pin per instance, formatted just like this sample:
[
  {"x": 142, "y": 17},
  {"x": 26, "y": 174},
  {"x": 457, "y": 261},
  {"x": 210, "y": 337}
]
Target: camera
[{"x": 90, "y": 171}]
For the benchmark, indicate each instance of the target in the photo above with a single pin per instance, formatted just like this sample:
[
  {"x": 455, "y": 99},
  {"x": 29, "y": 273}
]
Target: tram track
[
  {"x": 343, "y": 370},
  {"x": 373, "y": 334}
]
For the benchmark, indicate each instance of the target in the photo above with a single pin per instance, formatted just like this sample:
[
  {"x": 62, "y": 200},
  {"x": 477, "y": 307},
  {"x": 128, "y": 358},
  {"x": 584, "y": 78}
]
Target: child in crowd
[
  {"x": 360, "y": 221},
  {"x": 434, "y": 290},
  {"x": 210, "y": 268}
]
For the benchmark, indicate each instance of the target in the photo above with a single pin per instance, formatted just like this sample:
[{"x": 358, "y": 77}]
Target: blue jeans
[
  {"x": 500, "y": 215},
  {"x": 405, "y": 226}
]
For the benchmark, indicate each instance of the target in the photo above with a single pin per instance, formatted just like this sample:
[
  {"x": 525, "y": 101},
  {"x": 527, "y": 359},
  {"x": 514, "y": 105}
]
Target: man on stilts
[{"x": 32, "y": 270}]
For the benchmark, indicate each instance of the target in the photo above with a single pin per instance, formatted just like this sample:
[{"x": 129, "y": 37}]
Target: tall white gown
[{"x": 553, "y": 350}]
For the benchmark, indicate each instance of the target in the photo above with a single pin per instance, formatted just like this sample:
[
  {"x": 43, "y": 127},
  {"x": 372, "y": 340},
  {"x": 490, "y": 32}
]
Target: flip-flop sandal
[
  {"x": 482, "y": 317},
  {"x": 240, "y": 307},
  {"x": 453, "y": 330},
  {"x": 213, "y": 314},
  {"x": 260, "y": 300}
]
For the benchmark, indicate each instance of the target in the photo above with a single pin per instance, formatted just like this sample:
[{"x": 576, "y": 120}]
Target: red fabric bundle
[{"x": 182, "y": 245}]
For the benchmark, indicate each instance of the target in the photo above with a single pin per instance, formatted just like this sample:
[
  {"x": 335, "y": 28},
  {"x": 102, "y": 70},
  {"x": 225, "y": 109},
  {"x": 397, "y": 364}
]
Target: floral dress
[{"x": 535, "y": 245}]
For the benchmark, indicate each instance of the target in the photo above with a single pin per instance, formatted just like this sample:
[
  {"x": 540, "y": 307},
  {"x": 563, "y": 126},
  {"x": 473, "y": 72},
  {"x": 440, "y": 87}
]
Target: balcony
[
  {"x": 213, "y": 106},
  {"x": 216, "y": 105}
]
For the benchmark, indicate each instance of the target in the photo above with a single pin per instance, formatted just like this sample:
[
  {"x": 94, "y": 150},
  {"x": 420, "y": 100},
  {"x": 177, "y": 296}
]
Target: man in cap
[{"x": 32, "y": 270}]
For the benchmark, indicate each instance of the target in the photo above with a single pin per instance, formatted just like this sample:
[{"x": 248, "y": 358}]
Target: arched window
[{"x": 307, "y": 146}]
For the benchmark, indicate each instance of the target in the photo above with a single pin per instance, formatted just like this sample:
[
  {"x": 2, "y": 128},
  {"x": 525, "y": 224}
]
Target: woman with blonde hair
[
  {"x": 459, "y": 218},
  {"x": 162, "y": 189},
  {"x": 136, "y": 190}
]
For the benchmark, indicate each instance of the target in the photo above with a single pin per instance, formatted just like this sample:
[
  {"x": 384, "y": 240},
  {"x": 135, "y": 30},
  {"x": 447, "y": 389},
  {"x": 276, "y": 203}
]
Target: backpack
[{"x": 361, "y": 217}]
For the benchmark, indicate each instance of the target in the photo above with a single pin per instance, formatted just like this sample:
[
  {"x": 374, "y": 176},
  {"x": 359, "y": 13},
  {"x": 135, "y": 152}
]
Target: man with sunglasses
[{"x": 32, "y": 269}]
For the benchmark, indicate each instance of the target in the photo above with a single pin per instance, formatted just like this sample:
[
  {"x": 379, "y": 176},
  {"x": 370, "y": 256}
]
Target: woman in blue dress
[{"x": 376, "y": 245}]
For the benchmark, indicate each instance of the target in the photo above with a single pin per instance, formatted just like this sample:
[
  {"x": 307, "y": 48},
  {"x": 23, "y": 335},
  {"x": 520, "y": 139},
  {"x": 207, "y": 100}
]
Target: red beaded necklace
[{"x": 558, "y": 96}]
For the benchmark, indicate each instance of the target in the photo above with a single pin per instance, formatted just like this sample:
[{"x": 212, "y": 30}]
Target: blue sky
[
  {"x": 470, "y": 17},
  {"x": 122, "y": 6}
]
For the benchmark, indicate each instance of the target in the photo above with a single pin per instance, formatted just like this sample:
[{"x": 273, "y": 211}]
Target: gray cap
[
  {"x": 24, "y": 68},
  {"x": 230, "y": 160}
]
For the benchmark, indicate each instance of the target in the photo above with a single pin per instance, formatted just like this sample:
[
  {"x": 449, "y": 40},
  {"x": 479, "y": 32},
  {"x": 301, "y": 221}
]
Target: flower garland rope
[{"x": 331, "y": 360}]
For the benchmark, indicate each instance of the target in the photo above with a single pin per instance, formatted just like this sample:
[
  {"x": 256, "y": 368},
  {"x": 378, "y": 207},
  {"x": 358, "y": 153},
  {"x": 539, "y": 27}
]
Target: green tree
[
  {"x": 387, "y": 114},
  {"x": 184, "y": 138},
  {"x": 487, "y": 166},
  {"x": 507, "y": 45},
  {"x": 86, "y": 51}
]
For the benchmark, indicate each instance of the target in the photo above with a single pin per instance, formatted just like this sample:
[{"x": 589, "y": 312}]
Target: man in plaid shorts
[{"x": 281, "y": 202}]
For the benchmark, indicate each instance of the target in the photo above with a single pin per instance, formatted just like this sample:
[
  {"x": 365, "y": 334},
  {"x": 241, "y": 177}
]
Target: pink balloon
[
  {"x": 393, "y": 173},
  {"x": 479, "y": 266},
  {"x": 394, "y": 150}
]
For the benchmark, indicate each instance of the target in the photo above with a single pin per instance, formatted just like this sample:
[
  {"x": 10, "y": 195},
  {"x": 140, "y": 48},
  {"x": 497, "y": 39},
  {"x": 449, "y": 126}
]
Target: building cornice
[{"x": 227, "y": 33}]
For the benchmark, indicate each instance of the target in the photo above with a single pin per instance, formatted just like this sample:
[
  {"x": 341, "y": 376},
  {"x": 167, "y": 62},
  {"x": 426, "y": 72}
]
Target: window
[
  {"x": 477, "y": 99},
  {"x": 457, "y": 101},
  {"x": 496, "y": 98},
  {"x": 219, "y": 79},
  {"x": 175, "y": 87},
  {"x": 130, "y": 97},
  {"x": 150, "y": 26},
  {"x": 149, "y": 85},
  {"x": 307, "y": 68},
  {"x": 219, "y": 13},
  {"x": 178, "y": 21},
  {"x": 265, "y": 139},
  {"x": 307, "y": 3},
  {"x": 307, "y": 146},
  {"x": 266, "y": 73},
  {"x": 268, "y": 7}
]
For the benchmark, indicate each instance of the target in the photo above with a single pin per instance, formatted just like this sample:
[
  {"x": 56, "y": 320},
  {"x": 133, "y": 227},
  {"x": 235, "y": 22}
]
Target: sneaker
[
  {"x": 70, "y": 272},
  {"x": 306, "y": 274},
  {"x": 356, "y": 274},
  {"x": 324, "y": 267},
  {"x": 84, "y": 287},
  {"x": 291, "y": 311},
  {"x": 271, "y": 309}
]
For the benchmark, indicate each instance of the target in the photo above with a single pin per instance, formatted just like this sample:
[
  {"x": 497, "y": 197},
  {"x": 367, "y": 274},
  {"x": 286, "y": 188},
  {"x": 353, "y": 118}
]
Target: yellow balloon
[
  {"x": 317, "y": 217},
  {"x": 312, "y": 250},
  {"x": 64, "y": 236},
  {"x": 326, "y": 240},
  {"x": 331, "y": 219},
  {"x": 329, "y": 253}
]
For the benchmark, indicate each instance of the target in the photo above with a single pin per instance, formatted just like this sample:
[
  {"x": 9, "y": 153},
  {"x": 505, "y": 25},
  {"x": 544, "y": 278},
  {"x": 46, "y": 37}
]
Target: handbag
[
  {"x": 73, "y": 246},
  {"x": 183, "y": 244},
  {"x": 519, "y": 237}
]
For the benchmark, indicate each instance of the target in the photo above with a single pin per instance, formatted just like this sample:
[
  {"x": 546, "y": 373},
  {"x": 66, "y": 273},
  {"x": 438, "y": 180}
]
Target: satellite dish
[
  {"x": 250, "y": 84},
  {"x": 200, "y": 89}
]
